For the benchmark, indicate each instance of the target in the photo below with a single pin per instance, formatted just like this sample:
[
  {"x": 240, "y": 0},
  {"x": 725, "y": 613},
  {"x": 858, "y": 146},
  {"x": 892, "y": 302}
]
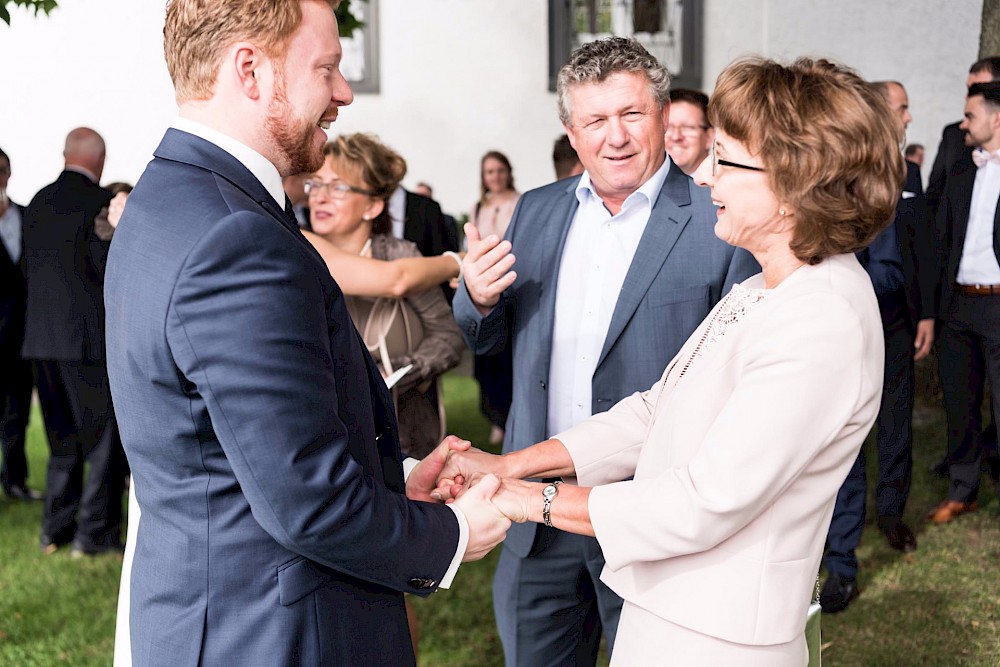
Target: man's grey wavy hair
[{"x": 596, "y": 61}]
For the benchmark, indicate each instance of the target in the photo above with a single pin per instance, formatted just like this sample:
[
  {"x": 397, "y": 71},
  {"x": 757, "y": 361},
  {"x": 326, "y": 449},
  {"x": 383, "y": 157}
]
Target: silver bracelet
[{"x": 454, "y": 256}]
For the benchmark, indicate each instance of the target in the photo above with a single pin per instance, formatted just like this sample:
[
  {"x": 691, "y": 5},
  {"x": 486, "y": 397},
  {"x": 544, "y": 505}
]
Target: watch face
[{"x": 550, "y": 491}]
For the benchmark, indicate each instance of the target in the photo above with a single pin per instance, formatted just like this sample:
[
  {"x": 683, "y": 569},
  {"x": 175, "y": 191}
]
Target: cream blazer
[{"x": 737, "y": 464}]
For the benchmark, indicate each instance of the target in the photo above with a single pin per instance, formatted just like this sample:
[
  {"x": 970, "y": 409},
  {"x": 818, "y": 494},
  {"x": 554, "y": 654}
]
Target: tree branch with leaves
[{"x": 38, "y": 5}]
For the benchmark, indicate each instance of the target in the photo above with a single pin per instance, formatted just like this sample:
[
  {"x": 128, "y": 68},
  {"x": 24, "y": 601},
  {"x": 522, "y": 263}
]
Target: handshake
[{"x": 482, "y": 487}]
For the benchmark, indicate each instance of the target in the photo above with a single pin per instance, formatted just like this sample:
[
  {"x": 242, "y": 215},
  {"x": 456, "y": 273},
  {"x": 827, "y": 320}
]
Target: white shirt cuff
[
  {"x": 463, "y": 542},
  {"x": 409, "y": 464}
]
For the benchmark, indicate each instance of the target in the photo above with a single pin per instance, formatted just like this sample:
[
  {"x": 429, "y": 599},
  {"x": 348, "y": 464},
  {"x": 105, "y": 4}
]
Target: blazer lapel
[
  {"x": 667, "y": 221},
  {"x": 180, "y": 146},
  {"x": 965, "y": 181},
  {"x": 996, "y": 232}
]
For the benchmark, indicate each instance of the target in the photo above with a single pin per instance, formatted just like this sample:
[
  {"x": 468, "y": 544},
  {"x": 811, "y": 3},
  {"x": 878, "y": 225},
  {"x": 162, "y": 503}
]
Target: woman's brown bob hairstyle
[
  {"x": 380, "y": 168},
  {"x": 829, "y": 142}
]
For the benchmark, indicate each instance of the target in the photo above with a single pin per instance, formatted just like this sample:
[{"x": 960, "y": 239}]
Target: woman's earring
[{"x": 782, "y": 212}]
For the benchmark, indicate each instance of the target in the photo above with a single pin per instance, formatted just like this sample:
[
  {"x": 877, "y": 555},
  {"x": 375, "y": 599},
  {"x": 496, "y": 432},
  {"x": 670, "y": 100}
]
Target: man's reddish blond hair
[{"x": 198, "y": 32}]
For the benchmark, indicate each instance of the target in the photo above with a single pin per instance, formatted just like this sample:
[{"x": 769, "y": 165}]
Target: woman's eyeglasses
[
  {"x": 719, "y": 162},
  {"x": 335, "y": 189}
]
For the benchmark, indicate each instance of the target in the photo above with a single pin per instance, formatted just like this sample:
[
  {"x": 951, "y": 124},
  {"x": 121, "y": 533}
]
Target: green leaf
[{"x": 347, "y": 22}]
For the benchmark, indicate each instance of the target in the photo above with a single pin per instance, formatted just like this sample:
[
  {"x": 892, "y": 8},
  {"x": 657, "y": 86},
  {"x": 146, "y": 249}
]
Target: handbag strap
[{"x": 386, "y": 321}]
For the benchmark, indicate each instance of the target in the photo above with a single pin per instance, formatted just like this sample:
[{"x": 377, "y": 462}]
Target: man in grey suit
[{"x": 615, "y": 269}]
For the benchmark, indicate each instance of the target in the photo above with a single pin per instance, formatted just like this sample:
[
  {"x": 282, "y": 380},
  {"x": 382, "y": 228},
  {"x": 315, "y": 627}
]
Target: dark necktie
[{"x": 290, "y": 212}]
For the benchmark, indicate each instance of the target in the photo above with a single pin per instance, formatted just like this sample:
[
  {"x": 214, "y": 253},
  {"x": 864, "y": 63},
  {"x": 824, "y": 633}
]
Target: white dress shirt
[
  {"x": 597, "y": 255},
  {"x": 10, "y": 231},
  {"x": 978, "y": 264},
  {"x": 256, "y": 164},
  {"x": 397, "y": 211}
]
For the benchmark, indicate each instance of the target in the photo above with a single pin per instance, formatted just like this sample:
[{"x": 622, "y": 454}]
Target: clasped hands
[{"x": 479, "y": 484}]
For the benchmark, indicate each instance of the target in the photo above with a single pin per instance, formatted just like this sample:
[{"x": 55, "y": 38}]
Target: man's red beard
[{"x": 293, "y": 136}]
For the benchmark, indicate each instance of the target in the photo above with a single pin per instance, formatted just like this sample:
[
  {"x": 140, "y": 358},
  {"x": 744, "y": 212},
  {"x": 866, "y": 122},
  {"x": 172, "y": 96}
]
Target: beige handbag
[{"x": 392, "y": 329}]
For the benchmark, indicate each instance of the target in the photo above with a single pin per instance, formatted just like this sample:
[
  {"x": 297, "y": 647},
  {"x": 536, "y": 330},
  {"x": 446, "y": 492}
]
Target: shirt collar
[
  {"x": 256, "y": 164},
  {"x": 648, "y": 190},
  {"x": 397, "y": 204},
  {"x": 81, "y": 170}
]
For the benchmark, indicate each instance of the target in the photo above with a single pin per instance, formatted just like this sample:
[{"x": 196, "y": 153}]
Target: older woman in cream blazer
[{"x": 733, "y": 459}]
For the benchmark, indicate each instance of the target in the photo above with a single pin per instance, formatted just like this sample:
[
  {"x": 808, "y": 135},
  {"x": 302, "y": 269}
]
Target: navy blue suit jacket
[
  {"x": 679, "y": 272},
  {"x": 263, "y": 444}
]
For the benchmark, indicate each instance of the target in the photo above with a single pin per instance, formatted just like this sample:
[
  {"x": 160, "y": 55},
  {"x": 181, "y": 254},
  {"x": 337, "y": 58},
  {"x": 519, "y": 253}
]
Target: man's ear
[{"x": 246, "y": 60}]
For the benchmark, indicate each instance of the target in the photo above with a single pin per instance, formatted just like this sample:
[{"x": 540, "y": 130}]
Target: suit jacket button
[{"x": 422, "y": 584}]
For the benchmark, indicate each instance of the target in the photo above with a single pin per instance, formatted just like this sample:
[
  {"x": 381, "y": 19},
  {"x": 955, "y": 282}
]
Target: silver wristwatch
[{"x": 550, "y": 491}]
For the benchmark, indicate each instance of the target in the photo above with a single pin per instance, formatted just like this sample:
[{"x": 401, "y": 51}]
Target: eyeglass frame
[
  {"x": 336, "y": 189},
  {"x": 688, "y": 131},
  {"x": 719, "y": 162}
]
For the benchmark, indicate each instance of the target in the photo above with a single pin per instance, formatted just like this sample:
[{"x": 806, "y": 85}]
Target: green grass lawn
[{"x": 939, "y": 606}]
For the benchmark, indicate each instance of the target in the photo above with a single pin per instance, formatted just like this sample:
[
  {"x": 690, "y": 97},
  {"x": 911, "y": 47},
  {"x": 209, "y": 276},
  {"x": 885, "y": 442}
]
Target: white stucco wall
[
  {"x": 458, "y": 77},
  {"x": 926, "y": 45}
]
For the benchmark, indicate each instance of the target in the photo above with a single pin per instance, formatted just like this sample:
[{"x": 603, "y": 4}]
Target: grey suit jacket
[{"x": 679, "y": 272}]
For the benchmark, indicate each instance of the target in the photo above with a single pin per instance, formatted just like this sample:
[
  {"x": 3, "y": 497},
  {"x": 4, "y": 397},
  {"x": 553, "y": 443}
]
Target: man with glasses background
[{"x": 689, "y": 135}]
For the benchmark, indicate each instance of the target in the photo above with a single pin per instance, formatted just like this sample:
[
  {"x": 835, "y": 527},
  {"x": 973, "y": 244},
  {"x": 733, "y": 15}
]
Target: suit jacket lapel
[
  {"x": 965, "y": 180},
  {"x": 180, "y": 146},
  {"x": 667, "y": 221},
  {"x": 996, "y": 233},
  {"x": 412, "y": 221}
]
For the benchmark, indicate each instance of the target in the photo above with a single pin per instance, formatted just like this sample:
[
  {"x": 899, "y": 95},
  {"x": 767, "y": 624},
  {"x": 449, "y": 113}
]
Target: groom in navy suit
[{"x": 276, "y": 526}]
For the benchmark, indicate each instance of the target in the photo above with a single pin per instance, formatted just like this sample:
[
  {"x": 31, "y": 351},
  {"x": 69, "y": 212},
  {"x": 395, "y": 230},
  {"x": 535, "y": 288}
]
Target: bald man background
[{"x": 64, "y": 338}]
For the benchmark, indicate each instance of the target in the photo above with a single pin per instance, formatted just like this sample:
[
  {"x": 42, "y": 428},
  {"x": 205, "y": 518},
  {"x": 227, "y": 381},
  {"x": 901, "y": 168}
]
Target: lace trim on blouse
[{"x": 733, "y": 308}]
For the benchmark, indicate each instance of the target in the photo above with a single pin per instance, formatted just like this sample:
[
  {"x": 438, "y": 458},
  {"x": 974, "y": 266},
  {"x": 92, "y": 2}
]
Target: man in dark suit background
[
  {"x": 614, "y": 270},
  {"x": 276, "y": 527},
  {"x": 419, "y": 219},
  {"x": 955, "y": 146},
  {"x": 901, "y": 264},
  {"x": 64, "y": 336},
  {"x": 969, "y": 348},
  {"x": 15, "y": 378}
]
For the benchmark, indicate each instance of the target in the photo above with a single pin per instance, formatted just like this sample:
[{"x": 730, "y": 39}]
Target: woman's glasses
[
  {"x": 719, "y": 162},
  {"x": 335, "y": 189}
]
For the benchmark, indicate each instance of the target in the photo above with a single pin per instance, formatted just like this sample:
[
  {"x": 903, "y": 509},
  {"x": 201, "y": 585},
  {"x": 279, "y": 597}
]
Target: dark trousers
[
  {"x": 15, "y": 407},
  {"x": 494, "y": 372},
  {"x": 80, "y": 423},
  {"x": 552, "y": 606},
  {"x": 894, "y": 444},
  {"x": 969, "y": 355}
]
